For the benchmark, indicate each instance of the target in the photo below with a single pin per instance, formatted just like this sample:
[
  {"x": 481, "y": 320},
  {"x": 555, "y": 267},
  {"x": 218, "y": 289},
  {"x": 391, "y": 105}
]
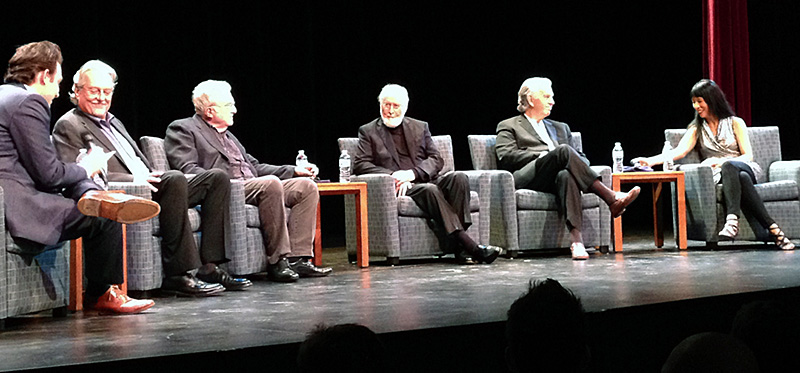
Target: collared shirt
[
  {"x": 121, "y": 145},
  {"x": 542, "y": 132}
]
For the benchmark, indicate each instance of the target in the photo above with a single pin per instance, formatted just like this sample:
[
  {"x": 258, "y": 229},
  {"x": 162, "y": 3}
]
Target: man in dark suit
[
  {"x": 93, "y": 88},
  {"x": 48, "y": 201},
  {"x": 538, "y": 152},
  {"x": 203, "y": 142},
  {"x": 402, "y": 147}
]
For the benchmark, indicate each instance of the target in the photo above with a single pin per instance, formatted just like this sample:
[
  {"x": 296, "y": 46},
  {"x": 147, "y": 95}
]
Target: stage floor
[{"x": 413, "y": 296}]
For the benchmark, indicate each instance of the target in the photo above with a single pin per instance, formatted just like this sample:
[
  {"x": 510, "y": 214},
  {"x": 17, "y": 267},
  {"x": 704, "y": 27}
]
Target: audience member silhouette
[
  {"x": 772, "y": 331},
  {"x": 710, "y": 352},
  {"x": 342, "y": 348},
  {"x": 546, "y": 331}
]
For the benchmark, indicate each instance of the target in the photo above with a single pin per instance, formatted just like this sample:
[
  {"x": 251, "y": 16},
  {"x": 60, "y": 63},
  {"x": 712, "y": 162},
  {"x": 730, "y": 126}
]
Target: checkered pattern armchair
[
  {"x": 778, "y": 187},
  {"x": 31, "y": 280},
  {"x": 244, "y": 256},
  {"x": 398, "y": 228},
  {"x": 524, "y": 219}
]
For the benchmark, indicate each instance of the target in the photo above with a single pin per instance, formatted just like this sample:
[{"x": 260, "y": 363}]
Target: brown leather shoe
[
  {"x": 113, "y": 301},
  {"x": 118, "y": 207},
  {"x": 618, "y": 207}
]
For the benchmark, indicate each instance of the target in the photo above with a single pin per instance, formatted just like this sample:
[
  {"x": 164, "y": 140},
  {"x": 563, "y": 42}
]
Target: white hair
[
  {"x": 531, "y": 86},
  {"x": 394, "y": 90},
  {"x": 79, "y": 79},
  {"x": 207, "y": 93}
]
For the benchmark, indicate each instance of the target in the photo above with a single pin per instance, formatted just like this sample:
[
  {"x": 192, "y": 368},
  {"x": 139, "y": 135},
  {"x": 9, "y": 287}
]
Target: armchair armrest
[
  {"x": 701, "y": 202},
  {"x": 785, "y": 170},
  {"x": 384, "y": 234},
  {"x": 502, "y": 207},
  {"x": 605, "y": 174}
]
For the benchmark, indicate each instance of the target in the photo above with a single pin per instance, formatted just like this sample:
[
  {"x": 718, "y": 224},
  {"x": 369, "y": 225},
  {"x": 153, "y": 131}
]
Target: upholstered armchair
[
  {"x": 523, "y": 219},
  {"x": 398, "y": 229},
  {"x": 31, "y": 281},
  {"x": 144, "y": 246},
  {"x": 778, "y": 187}
]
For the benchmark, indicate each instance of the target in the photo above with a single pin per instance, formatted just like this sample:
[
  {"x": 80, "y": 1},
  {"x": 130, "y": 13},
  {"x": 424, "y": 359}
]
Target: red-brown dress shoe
[
  {"x": 118, "y": 207},
  {"x": 113, "y": 301}
]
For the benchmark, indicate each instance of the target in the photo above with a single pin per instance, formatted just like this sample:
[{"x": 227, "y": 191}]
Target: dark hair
[
  {"x": 30, "y": 59},
  {"x": 718, "y": 105},
  {"x": 541, "y": 323},
  {"x": 342, "y": 348}
]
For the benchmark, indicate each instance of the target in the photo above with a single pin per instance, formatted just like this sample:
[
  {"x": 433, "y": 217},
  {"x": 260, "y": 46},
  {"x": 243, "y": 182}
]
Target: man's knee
[
  {"x": 267, "y": 184},
  {"x": 218, "y": 176},
  {"x": 173, "y": 177}
]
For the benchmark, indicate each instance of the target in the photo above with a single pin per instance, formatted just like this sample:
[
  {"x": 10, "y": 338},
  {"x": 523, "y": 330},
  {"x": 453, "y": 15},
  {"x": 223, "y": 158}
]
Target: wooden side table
[
  {"x": 362, "y": 232},
  {"x": 656, "y": 179}
]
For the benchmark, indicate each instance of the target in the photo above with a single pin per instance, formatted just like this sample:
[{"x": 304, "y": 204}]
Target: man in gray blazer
[
  {"x": 93, "y": 89},
  {"x": 538, "y": 152},
  {"x": 203, "y": 142},
  {"x": 402, "y": 147},
  {"x": 48, "y": 201}
]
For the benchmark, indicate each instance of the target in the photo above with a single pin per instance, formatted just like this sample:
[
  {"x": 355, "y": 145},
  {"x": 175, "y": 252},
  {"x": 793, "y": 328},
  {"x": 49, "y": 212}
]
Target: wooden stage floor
[{"x": 417, "y": 305}]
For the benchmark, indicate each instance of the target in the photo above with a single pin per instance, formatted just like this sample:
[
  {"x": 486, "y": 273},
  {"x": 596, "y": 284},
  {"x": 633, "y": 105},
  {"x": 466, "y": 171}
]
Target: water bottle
[
  {"x": 616, "y": 155},
  {"x": 301, "y": 160},
  {"x": 344, "y": 167},
  {"x": 666, "y": 153}
]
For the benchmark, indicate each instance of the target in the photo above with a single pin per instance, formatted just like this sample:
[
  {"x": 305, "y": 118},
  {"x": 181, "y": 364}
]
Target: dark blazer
[
  {"x": 192, "y": 147},
  {"x": 68, "y": 139},
  {"x": 377, "y": 154},
  {"x": 30, "y": 173},
  {"x": 518, "y": 143}
]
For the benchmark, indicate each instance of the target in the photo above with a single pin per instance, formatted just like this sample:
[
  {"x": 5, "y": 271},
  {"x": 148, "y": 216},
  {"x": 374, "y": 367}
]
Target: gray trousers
[{"x": 291, "y": 236}]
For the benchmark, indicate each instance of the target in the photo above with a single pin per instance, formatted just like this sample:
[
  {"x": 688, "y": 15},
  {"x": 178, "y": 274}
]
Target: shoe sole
[
  {"x": 107, "y": 312},
  {"x": 183, "y": 294},
  {"x": 125, "y": 212}
]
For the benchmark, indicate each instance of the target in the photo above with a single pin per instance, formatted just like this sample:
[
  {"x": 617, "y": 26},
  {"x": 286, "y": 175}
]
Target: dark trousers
[
  {"x": 563, "y": 173},
  {"x": 102, "y": 248},
  {"x": 176, "y": 194},
  {"x": 446, "y": 201},
  {"x": 739, "y": 192}
]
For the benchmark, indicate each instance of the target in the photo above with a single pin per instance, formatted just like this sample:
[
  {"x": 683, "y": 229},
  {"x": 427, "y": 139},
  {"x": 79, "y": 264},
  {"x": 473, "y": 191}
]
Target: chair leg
[
  {"x": 76, "y": 275},
  {"x": 393, "y": 260},
  {"x": 60, "y": 312},
  {"x": 352, "y": 258},
  {"x": 511, "y": 254},
  {"x": 604, "y": 249}
]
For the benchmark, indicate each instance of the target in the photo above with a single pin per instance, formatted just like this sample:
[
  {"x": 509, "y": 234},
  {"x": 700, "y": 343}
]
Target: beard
[{"x": 392, "y": 122}]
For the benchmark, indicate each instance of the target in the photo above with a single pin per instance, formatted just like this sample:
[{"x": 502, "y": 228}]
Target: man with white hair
[
  {"x": 538, "y": 152},
  {"x": 402, "y": 147},
  {"x": 93, "y": 88},
  {"x": 202, "y": 142}
]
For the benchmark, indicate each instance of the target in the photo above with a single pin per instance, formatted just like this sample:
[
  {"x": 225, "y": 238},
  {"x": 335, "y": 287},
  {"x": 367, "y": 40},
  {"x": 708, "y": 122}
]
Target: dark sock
[
  {"x": 95, "y": 290},
  {"x": 605, "y": 193},
  {"x": 465, "y": 241},
  {"x": 207, "y": 268}
]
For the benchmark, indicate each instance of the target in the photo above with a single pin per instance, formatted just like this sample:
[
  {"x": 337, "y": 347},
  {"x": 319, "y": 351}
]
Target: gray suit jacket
[
  {"x": 518, "y": 144},
  {"x": 68, "y": 139},
  {"x": 192, "y": 147},
  {"x": 377, "y": 154},
  {"x": 30, "y": 173}
]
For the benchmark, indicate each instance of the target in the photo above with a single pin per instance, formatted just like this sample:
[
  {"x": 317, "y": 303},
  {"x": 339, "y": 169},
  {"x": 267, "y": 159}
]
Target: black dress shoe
[
  {"x": 219, "y": 276},
  {"x": 462, "y": 257},
  {"x": 488, "y": 253},
  {"x": 189, "y": 286},
  {"x": 281, "y": 272},
  {"x": 305, "y": 268}
]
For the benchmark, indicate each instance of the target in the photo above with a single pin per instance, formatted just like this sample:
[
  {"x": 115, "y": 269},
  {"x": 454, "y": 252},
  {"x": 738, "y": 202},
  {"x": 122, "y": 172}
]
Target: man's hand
[
  {"x": 149, "y": 179},
  {"x": 309, "y": 171},
  {"x": 403, "y": 176},
  {"x": 95, "y": 160},
  {"x": 403, "y": 187}
]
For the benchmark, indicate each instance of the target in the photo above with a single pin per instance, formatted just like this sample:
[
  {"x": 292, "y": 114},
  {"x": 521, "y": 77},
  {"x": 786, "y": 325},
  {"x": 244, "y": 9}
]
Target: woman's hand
[
  {"x": 644, "y": 161},
  {"x": 712, "y": 162}
]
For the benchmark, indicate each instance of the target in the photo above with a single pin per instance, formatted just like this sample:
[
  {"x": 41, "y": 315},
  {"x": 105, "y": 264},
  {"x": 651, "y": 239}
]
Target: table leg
[
  {"x": 681, "y": 192},
  {"x": 615, "y": 184},
  {"x": 318, "y": 238},
  {"x": 658, "y": 224},
  {"x": 362, "y": 232}
]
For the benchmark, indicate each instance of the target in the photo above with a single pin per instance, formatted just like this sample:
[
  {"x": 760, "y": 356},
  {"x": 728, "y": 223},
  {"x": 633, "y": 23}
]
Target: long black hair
[{"x": 718, "y": 105}]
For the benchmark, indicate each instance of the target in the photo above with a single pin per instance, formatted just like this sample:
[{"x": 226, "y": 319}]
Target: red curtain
[{"x": 726, "y": 51}]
